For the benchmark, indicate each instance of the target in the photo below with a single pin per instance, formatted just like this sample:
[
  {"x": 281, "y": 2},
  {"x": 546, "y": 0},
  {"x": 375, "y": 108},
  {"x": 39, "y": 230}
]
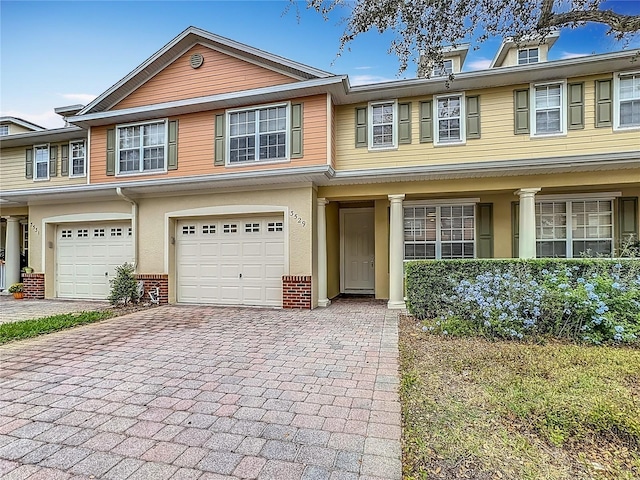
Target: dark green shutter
[
  {"x": 426, "y": 122},
  {"x": 515, "y": 229},
  {"x": 172, "y": 157},
  {"x": 361, "y": 127},
  {"x": 604, "y": 103},
  {"x": 64, "y": 160},
  {"x": 576, "y": 106},
  {"x": 627, "y": 220},
  {"x": 53, "y": 161},
  {"x": 473, "y": 117},
  {"x": 111, "y": 151},
  {"x": 296, "y": 130},
  {"x": 404, "y": 123},
  {"x": 219, "y": 146},
  {"x": 521, "y": 111},
  {"x": 484, "y": 230},
  {"x": 28, "y": 163}
]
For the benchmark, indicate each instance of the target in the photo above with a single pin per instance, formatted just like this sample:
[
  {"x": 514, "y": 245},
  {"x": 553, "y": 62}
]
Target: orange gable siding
[
  {"x": 196, "y": 146},
  {"x": 219, "y": 73}
]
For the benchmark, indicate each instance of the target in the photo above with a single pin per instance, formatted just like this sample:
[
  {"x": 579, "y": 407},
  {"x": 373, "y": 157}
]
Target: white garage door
[
  {"x": 87, "y": 256},
  {"x": 231, "y": 261}
]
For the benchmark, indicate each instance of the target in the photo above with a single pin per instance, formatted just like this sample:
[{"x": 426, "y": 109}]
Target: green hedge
[{"x": 429, "y": 282}]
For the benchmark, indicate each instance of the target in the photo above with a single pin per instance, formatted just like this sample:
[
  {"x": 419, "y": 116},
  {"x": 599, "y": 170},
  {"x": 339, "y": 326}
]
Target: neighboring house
[{"x": 229, "y": 175}]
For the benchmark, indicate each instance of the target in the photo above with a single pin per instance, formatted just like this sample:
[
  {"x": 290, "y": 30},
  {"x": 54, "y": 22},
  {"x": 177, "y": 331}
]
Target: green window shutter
[
  {"x": 426, "y": 122},
  {"x": 604, "y": 103},
  {"x": 53, "y": 161},
  {"x": 219, "y": 146},
  {"x": 64, "y": 160},
  {"x": 473, "y": 117},
  {"x": 28, "y": 163},
  {"x": 515, "y": 229},
  {"x": 111, "y": 151},
  {"x": 361, "y": 127},
  {"x": 521, "y": 111},
  {"x": 296, "y": 130},
  {"x": 172, "y": 157},
  {"x": 576, "y": 106},
  {"x": 404, "y": 123},
  {"x": 627, "y": 220},
  {"x": 484, "y": 230}
]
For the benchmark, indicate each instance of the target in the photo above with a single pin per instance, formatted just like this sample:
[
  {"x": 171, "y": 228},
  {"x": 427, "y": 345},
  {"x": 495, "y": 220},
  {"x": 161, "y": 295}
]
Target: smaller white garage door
[
  {"x": 87, "y": 257},
  {"x": 231, "y": 261}
]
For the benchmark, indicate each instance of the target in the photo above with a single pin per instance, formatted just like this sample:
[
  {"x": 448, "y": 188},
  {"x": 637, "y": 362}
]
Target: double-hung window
[
  {"x": 528, "y": 55},
  {"x": 41, "y": 162},
  {"x": 443, "y": 71},
  {"x": 439, "y": 231},
  {"x": 142, "y": 147},
  {"x": 4, "y": 130},
  {"x": 569, "y": 229},
  {"x": 449, "y": 113},
  {"x": 258, "y": 135},
  {"x": 78, "y": 158},
  {"x": 548, "y": 112},
  {"x": 383, "y": 125},
  {"x": 627, "y": 100}
]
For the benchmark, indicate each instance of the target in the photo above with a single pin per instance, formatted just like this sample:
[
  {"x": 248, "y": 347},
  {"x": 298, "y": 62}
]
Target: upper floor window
[
  {"x": 627, "y": 104},
  {"x": 383, "y": 125},
  {"x": 445, "y": 70},
  {"x": 548, "y": 109},
  {"x": 449, "y": 119},
  {"x": 4, "y": 130},
  {"x": 78, "y": 158},
  {"x": 528, "y": 55},
  {"x": 258, "y": 134},
  {"x": 141, "y": 147},
  {"x": 41, "y": 162}
]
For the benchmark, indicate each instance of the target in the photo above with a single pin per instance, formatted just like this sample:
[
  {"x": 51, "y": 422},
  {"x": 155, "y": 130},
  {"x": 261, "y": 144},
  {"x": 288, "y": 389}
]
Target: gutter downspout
[{"x": 134, "y": 225}]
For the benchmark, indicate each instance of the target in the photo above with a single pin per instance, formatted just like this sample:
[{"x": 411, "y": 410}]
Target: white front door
[
  {"x": 358, "y": 255},
  {"x": 87, "y": 257}
]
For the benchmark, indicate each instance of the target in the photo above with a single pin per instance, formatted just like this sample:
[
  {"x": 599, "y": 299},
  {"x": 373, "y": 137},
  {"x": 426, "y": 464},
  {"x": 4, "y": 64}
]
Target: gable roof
[
  {"x": 509, "y": 43},
  {"x": 21, "y": 122},
  {"x": 183, "y": 42}
]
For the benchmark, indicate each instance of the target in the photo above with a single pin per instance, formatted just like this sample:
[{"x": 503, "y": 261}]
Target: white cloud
[
  {"x": 367, "y": 79},
  {"x": 83, "y": 98},
  {"x": 479, "y": 64},
  {"x": 363, "y": 68},
  {"x": 566, "y": 55},
  {"x": 47, "y": 119}
]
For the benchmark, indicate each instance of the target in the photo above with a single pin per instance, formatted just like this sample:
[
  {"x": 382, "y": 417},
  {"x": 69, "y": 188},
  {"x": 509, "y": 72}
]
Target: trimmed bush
[
  {"x": 593, "y": 300},
  {"x": 124, "y": 287}
]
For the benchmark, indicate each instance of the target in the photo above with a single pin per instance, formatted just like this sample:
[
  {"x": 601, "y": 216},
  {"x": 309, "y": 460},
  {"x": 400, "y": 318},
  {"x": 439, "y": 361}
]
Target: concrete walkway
[
  {"x": 12, "y": 310},
  {"x": 192, "y": 392}
]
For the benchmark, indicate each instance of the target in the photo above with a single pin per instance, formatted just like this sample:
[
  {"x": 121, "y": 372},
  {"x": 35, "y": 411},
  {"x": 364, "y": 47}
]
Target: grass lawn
[{"x": 477, "y": 409}]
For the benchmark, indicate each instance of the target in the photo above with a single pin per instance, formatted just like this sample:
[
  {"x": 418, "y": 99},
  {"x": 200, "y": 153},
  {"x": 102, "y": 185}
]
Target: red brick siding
[
  {"x": 296, "y": 291},
  {"x": 33, "y": 285},
  {"x": 152, "y": 280}
]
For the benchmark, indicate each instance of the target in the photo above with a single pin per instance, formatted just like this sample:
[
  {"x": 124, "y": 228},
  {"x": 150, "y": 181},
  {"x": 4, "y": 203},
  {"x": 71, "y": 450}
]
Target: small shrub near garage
[
  {"x": 124, "y": 287},
  {"x": 589, "y": 300}
]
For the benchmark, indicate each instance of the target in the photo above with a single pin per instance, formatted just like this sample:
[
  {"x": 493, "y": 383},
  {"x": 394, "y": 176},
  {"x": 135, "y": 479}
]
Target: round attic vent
[{"x": 196, "y": 60}]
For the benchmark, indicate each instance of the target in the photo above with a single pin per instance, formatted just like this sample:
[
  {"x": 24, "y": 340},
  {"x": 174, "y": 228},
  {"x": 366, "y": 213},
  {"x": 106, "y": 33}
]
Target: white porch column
[
  {"x": 12, "y": 252},
  {"x": 396, "y": 253},
  {"x": 527, "y": 223},
  {"x": 323, "y": 301}
]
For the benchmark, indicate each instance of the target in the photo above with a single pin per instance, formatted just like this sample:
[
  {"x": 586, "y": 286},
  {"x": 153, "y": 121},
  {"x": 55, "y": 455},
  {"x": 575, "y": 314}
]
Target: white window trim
[
  {"x": 463, "y": 120},
  {"x": 227, "y": 136},
  {"x": 141, "y": 171},
  {"x": 35, "y": 165},
  {"x": 437, "y": 71},
  {"x": 563, "y": 109},
  {"x": 70, "y": 159},
  {"x": 394, "y": 146},
  {"x": 568, "y": 200},
  {"x": 2, "y": 127},
  {"x": 616, "y": 101},
  {"x": 528, "y": 49}
]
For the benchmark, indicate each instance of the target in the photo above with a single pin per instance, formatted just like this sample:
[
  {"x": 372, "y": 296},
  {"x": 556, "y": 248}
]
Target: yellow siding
[
  {"x": 13, "y": 172},
  {"x": 497, "y": 142}
]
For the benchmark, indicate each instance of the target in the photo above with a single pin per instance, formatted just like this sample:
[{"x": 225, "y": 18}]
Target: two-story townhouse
[{"x": 228, "y": 175}]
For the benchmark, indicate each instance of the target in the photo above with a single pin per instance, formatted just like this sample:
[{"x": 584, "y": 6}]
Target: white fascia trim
[
  {"x": 442, "y": 201},
  {"x": 579, "y": 196}
]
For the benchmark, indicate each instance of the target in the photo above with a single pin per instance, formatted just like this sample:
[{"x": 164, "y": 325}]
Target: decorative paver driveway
[
  {"x": 12, "y": 310},
  {"x": 192, "y": 392}
]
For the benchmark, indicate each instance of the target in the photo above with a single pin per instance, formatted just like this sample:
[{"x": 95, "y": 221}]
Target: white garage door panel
[
  {"x": 239, "y": 261},
  {"x": 85, "y": 253}
]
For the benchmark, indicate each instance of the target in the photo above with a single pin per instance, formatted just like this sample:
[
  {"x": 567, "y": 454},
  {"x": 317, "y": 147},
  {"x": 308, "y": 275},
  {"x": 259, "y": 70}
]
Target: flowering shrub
[{"x": 583, "y": 300}]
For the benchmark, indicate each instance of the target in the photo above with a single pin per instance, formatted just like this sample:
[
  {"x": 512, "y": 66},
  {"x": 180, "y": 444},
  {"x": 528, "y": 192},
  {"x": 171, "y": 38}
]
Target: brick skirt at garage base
[
  {"x": 33, "y": 285},
  {"x": 153, "y": 280},
  {"x": 296, "y": 291}
]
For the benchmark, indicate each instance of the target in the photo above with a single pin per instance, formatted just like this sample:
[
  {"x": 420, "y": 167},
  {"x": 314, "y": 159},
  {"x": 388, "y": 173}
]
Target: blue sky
[{"x": 62, "y": 53}]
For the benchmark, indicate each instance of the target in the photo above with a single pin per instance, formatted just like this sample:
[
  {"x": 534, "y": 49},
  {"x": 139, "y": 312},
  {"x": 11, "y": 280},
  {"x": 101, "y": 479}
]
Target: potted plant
[
  {"x": 27, "y": 270},
  {"x": 17, "y": 290}
]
